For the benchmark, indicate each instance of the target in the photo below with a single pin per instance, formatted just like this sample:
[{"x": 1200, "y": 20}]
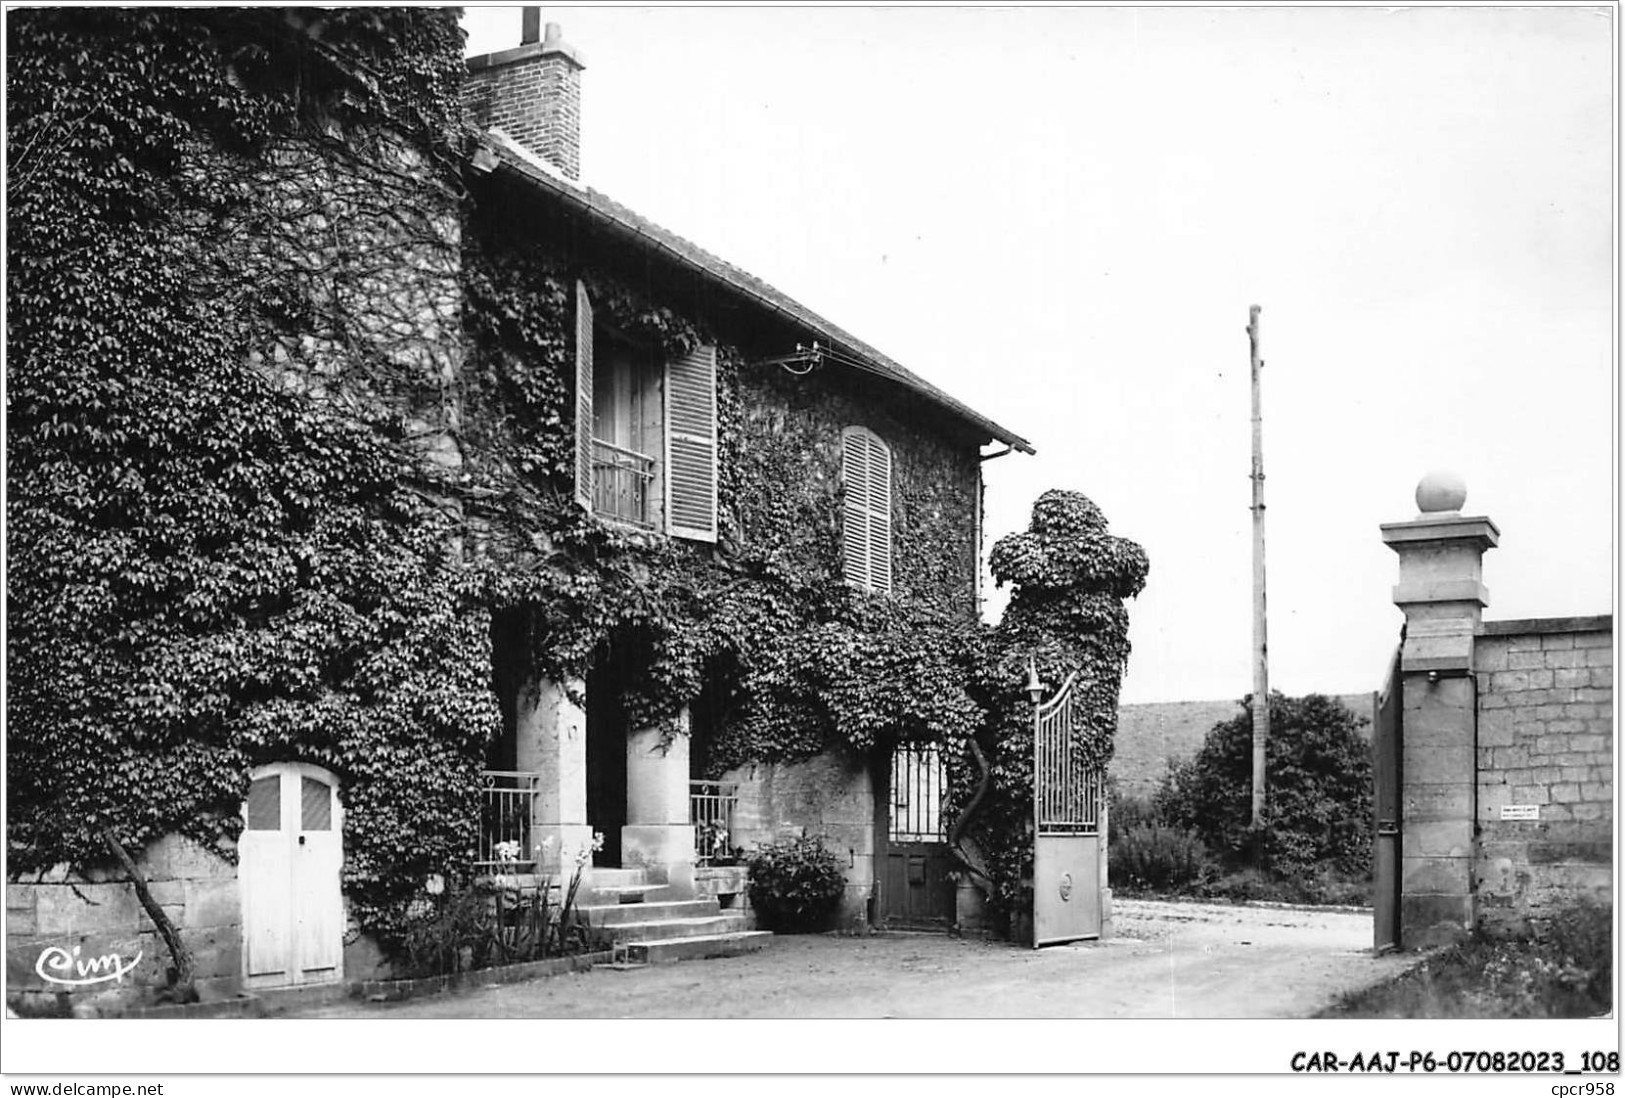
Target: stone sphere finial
[{"x": 1441, "y": 491}]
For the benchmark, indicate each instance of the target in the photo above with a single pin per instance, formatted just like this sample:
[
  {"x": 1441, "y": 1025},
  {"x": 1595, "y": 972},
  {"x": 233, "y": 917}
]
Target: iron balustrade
[
  {"x": 711, "y": 810},
  {"x": 620, "y": 483},
  {"x": 507, "y": 809}
]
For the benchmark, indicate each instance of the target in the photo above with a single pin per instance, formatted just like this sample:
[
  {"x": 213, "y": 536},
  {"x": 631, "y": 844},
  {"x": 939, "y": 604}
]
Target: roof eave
[{"x": 601, "y": 209}]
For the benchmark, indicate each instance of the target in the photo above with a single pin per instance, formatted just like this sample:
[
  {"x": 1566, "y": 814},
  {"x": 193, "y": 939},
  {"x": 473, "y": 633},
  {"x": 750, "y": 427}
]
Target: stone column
[
  {"x": 1442, "y": 594},
  {"x": 552, "y": 742},
  {"x": 658, "y": 834}
]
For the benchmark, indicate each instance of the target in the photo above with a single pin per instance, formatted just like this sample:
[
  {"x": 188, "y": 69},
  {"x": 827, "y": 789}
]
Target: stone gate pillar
[
  {"x": 657, "y": 832},
  {"x": 552, "y": 742},
  {"x": 1442, "y": 594}
]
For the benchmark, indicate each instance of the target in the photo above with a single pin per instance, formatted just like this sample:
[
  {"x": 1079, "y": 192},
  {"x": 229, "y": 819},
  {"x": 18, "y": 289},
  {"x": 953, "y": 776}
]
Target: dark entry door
[
  {"x": 915, "y": 889},
  {"x": 606, "y": 759},
  {"x": 1388, "y": 741}
]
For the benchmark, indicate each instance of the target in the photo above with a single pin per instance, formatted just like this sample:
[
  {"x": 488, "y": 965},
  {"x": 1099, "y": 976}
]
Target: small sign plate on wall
[{"x": 1520, "y": 812}]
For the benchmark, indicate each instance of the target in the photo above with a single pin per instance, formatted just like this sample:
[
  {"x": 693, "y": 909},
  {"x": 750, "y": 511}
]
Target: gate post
[{"x": 1442, "y": 594}]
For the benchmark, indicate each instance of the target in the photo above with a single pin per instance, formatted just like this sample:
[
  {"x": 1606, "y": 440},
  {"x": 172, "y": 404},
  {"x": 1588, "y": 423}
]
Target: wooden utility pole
[{"x": 1261, "y": 648}]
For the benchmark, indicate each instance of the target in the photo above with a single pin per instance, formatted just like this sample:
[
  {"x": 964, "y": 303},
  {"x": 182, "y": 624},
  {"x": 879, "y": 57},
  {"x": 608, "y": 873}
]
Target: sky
[{"x": 1061, "y": 217}]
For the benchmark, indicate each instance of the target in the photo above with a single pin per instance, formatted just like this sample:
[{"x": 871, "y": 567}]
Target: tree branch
[{"x": 181, "y": 984}]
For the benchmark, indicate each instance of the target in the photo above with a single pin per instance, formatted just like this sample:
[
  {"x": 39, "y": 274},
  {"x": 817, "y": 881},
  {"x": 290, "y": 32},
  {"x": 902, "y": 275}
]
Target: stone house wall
[
  {"x": 390, "y": 284},
  {"x": 383, "y": 328},
  {"x": 788, "y": 448},
  {"x": 791, "y": 430},
  {"x": 1545, "y": 743},
  {"x": 828, "y": 796},
  {"x": 57, "y": 925}
]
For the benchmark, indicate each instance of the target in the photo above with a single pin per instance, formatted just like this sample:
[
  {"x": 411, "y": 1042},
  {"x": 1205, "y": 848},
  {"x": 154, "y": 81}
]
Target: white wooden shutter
[
  {"x": 879, "y": 515},
  {"x": 583, "y": 397},
  {"x": 866, "y": 518},
  {"x": 691, "y": 445}
]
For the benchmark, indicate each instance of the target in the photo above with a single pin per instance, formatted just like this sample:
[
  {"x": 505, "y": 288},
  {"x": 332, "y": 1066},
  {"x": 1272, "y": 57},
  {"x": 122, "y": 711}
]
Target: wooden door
[
  {"x": 915, "y": 889},
  {"x": 290, "y": 855}
]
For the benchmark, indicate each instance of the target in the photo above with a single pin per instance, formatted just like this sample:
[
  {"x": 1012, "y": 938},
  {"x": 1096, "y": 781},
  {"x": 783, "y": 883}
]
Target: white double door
[{"x": 288, "y": 870}]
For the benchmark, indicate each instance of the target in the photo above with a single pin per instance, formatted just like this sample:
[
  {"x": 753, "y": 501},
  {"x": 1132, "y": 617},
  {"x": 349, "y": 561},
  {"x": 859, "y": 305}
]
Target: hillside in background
[{"x": 1152, "y": 735}]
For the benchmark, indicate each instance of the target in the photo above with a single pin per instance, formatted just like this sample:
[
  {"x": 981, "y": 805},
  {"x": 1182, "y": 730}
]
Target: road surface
[{"x": 1166, "y": 960}]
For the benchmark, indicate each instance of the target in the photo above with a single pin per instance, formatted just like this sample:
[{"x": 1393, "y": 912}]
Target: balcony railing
[
  {"x": 507, "y": 806},
  {"x": 620, "y": 483},
  {"x": 711, "y": 811}
]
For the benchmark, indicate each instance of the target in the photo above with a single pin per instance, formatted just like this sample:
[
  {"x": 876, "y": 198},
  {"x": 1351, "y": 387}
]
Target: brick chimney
[{"x": 532, "y": 93}]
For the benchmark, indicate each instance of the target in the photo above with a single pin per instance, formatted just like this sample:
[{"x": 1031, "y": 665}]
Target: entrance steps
[{"x": 618, "y": 908}]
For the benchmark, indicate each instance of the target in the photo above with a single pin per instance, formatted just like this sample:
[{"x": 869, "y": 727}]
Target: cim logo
[{"x": 58, "y": 966}]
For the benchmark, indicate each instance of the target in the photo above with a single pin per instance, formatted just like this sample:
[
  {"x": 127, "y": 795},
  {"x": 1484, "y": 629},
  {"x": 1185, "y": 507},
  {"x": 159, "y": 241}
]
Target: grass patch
[
  {"x": 1562, "y": 970},
  {"x": 1320, "y": 889},
  {"x": 1325, "y": 887}
]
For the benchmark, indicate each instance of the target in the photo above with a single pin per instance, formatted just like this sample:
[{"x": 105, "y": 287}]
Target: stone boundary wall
[
  {"x": 60, "y": 924},
  {"x": 1545, "y": 744}
]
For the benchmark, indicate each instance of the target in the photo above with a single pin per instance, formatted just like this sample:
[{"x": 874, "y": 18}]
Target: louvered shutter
[
  {"x": 866, "y": 519},
  {"x": 855, "y": 513},
  {"x": 879, "y": 515},
  {"x": 691, "y": 445},
  {"x": 583, "y": 397}
]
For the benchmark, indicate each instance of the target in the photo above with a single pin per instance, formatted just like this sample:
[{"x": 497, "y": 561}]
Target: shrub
[
  {"x": 1318, "y": 790},
  {"x": 1129, "y": 811},
  {"x": 1147, "y": 856},
  {"x": 1580, "y": 943},
  {"x": 1563, "y": 969},
  {"x": 796, "y": 885}
]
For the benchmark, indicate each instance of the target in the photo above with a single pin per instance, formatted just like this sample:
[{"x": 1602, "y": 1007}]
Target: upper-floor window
[
  {"x": 866, "y": 515},
  {"x": 646, "y": 432}
]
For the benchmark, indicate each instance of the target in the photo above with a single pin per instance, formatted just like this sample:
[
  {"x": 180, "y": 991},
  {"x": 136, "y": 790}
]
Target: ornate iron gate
[{"x": 1067, "y": 809}]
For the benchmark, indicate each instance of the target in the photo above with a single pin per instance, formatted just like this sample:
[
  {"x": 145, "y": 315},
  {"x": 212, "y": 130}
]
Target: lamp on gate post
[{"x": 1035, "y": 689}]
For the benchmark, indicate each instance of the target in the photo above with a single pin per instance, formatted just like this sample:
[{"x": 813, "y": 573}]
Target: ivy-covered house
[
  {"x": 387, "y": 508},
  {"x": 784, "y": 496}
]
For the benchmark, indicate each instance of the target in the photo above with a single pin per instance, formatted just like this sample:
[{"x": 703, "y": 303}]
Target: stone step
[
  {"x": 629, "y": 894},
  {"x": 599, "y": 876},
  {"x": 660, "y": 930},
  {"x": 280, "y": 1000},
  {"x": 610, "y": 885},
  {"x": 665, "y": 950},
  {"x": 617, "y": 913}
]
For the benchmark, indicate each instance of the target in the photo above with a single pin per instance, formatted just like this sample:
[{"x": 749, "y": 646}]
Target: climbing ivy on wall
[
  {"x": 233, "y": 537},
  {"x": 215, "y": 562},
  {"x": 1067, "y": 616},
  {"x": 289, "y": 423},
  {"x": 762, "y": 622}
]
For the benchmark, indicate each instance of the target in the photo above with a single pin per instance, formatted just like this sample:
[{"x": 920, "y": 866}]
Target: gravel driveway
[{"x": 1167, "y": 960}]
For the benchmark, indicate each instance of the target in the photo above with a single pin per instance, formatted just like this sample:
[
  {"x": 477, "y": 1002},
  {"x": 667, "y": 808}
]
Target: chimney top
[
  {"x": 532, "y": 92},
  {"x": 551, "y": 44}
]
